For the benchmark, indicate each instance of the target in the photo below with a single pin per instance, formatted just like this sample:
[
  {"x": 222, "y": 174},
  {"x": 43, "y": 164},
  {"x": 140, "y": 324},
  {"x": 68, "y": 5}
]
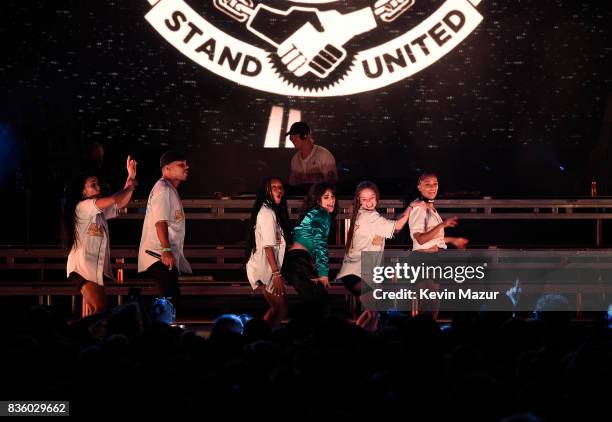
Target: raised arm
[
  {"x": 122, "y": 197},
  {"x": 130, "y": 181}
]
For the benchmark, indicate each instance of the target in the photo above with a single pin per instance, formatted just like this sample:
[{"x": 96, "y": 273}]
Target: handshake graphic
[{"x": 316, "y": 39}]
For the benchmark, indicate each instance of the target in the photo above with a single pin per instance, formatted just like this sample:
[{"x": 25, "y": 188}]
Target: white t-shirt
[
  {"x": 268, "y": 232},
  {"x": 371, "y": 230},
  {"x": 164, "y": 204},
  {"x": 314, "y": 168},
  {"x": 422, "y": 219},
  {"x": 90, "y": 256}
]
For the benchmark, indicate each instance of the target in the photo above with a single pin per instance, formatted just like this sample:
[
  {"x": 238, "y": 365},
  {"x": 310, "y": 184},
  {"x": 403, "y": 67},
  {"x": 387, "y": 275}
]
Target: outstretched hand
[
  {"x": 451, "y": 221},
  {"x": 131, "y": 167},
  {"x": 460, "y": 242}
]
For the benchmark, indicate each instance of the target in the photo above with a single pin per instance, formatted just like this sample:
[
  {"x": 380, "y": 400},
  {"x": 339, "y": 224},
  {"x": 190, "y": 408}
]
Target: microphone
[{"x": 153, "y": 254}]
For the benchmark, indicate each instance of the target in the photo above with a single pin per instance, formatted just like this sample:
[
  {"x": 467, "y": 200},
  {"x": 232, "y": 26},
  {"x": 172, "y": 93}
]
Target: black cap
[
  {"x": 170, "y": 156},
  {"x": 299, "y": 128}
]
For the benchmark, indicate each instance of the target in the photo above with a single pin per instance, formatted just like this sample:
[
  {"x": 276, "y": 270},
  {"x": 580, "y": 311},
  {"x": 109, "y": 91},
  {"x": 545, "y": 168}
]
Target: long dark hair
[
  {"x": 313, "y": 199},
  {"x": 366, "y": 184},
  {"x": 264, "y": 197},
  {"x": 73, "y": 195}
]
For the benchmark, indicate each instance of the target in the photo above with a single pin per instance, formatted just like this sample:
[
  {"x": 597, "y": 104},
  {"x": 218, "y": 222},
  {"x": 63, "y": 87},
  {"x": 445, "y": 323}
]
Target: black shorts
[
  {"x": 77, "y": 279},
  {"x": 350, "y": 281}
]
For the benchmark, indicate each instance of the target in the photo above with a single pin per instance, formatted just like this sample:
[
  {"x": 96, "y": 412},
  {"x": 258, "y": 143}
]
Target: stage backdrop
[{"x": 500, "y": 98}]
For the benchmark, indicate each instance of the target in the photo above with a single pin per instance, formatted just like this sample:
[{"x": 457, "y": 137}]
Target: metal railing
[{"x": 596, "y": 209}]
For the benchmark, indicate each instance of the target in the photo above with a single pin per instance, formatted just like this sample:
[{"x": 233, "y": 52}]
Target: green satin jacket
[{"x": 312, "y": 233}]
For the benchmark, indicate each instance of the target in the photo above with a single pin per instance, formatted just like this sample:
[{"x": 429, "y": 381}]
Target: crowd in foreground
[{"x": 484, "y": 366}]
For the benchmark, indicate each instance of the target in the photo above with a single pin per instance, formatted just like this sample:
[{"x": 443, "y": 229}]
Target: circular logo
[{"x": 315, "y": 47}]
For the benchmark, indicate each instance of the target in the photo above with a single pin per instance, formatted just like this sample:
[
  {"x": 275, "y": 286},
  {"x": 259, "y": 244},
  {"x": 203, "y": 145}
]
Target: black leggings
[{"x": 299, "y": 270}]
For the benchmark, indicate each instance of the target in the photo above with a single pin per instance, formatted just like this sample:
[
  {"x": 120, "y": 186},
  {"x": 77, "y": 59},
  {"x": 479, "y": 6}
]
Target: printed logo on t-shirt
[
  {"x": 178, "y": 215},
  {"x": 378, "y": 240},
  {"x": 94, "y": 229}
]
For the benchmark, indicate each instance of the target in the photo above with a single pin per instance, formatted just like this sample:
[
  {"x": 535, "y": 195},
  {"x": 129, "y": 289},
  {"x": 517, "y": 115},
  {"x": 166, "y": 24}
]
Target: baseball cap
[
  {"x": 170, "y": 156},
  {"x": 299, "y": 128}
]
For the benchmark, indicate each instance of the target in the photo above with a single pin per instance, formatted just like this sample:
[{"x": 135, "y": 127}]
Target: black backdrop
[{"x": 516, "y": 110}]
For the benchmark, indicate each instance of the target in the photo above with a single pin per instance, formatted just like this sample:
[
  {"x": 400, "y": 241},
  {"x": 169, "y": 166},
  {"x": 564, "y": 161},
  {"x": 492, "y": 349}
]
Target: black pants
[
  {"x": 165, "y": 280},
  {"x": 350, "y": 282},
  {"x": 299, "y": 270}
]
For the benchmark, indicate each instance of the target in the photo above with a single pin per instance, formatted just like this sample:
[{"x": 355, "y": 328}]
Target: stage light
[
  {"x": 275, "y": 125},
  {"x": 276, "y": 128},
  {"x": 294, "y": 116}
]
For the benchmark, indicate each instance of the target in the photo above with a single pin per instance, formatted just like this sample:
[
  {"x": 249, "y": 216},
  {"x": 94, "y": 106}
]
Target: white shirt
[
  {"x": 268, "y": 232},
  {"x": 422, "y": 219},
  {"x": 164, "y": 204},
  {"x": 90, "y": 255},
  {"x": 371, "y": 230},
  {"x": 314, "y": 168}
]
